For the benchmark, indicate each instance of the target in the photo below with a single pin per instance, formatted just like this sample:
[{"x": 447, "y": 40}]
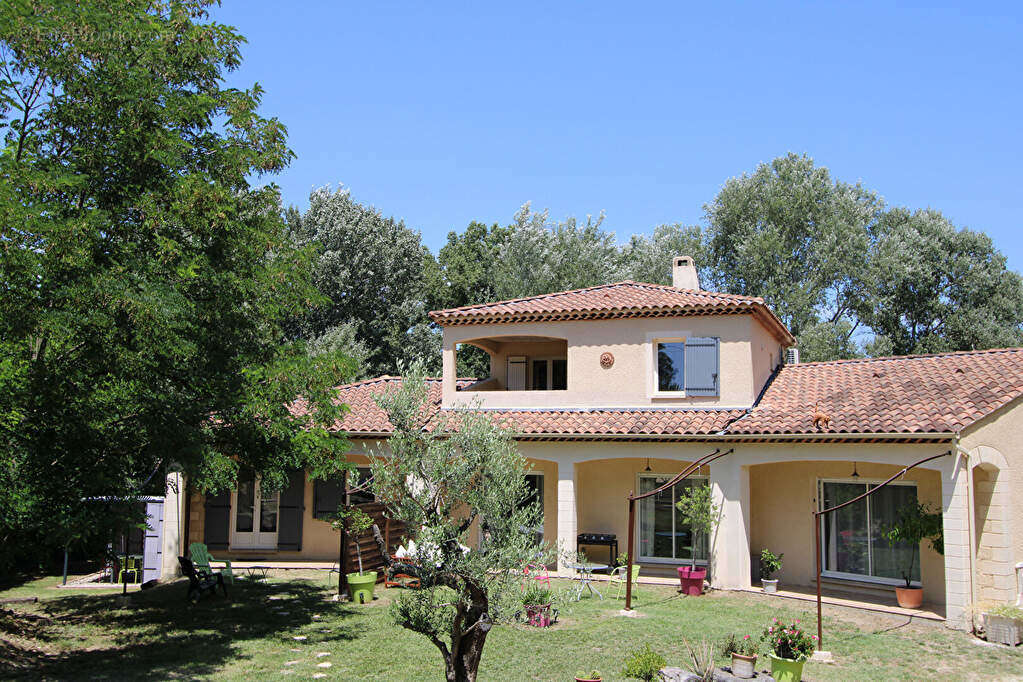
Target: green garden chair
[
  {"x": 202, "y": 559},
  {"x": 618, "y": 576}
]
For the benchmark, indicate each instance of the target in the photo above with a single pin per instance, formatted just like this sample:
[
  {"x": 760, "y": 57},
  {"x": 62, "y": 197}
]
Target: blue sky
[{"x": 445, "y": 114}]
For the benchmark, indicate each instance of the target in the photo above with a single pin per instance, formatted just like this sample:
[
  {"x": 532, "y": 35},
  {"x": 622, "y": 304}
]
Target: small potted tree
[
  {"x": 770, "y": 563},
  {"x": 354, "y": 522},
  {"x": 744, "y": 655},
  {"x": 696, "y": 505},
  {"x": 537, "y": 601},
  {"x": 915, "y": 522},
  {"x": 789, "y": 648}
]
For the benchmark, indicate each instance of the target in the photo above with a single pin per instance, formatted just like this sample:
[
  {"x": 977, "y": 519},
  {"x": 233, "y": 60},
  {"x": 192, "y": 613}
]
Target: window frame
[
  {"x": 348, "y": 479},
  {"x": 653, "y": 339},
  {"x": 549, "y": 360},
  {"x": 859, "y": 577},
  {"x": 664, "y": 560}
]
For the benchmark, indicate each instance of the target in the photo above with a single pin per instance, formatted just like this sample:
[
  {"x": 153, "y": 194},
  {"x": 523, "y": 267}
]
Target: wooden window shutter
[
  {"x": 326, "y": 498},
  {"x": 701, "y": 366},
  {"x": 217, "y": 526},
  {"x": 290, "y": 511}
]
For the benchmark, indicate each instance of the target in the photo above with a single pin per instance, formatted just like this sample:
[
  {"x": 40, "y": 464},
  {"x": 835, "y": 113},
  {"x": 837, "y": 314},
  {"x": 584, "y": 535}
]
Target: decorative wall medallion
[{"x": 606, "y": 360}]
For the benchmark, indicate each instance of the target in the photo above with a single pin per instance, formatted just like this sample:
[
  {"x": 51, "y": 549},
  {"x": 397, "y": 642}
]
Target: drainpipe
[{"x": 971, "y": 531}]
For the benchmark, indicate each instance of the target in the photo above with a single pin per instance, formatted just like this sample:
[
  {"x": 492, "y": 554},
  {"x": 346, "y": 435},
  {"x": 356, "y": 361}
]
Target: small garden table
[
  {"x": 585, "y": 578},
  {"x": 257, "y": 573}
]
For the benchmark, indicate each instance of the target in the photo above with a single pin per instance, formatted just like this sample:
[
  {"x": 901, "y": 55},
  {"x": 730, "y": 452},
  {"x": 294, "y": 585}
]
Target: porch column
[
  {"x": 567, "y": 528},
  {"x": 173, "y": 544},
  {"x": 730, "y": 557},
  {"x": 955, "y": 510}
]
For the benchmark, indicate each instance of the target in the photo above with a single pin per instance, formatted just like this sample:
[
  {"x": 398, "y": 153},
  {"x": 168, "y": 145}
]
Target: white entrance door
[{"x": 254, "y": 514}]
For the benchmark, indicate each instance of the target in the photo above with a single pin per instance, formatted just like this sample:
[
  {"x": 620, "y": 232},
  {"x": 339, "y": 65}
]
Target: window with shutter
[
  {"x": 326, "y": 498},
  {"x": 701, "y": 366}
]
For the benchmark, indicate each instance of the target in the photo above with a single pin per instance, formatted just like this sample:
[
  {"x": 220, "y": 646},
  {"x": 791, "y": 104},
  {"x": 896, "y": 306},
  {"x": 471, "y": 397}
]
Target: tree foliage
[
  {"x": 931, "y": 287},
  {"x": 795, "y": 237},
  {"x": 371, "y": 269},
  {"x": 442, "y": 481},
  {"x": 145, "y": 281}
]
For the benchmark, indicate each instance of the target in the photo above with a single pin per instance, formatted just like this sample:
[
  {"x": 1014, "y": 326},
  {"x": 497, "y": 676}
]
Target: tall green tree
[
  {"x": 649, "y": 259},
  {"x": 144, "y": 282},
  {"x": 371, "y": 269},
  {"x": 466, "y": 265},
  {"x": 541, "y": 255},
  {"x": 791, "y": 234},
  {"x": 933, "y": 287}
]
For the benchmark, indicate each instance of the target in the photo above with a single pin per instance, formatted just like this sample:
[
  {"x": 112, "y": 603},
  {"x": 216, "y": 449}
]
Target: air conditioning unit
[{"x": 792, "y": 356}]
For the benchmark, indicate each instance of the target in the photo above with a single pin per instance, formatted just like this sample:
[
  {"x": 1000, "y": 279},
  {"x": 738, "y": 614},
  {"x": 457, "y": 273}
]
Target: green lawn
[{"x": 77, "y": 634}]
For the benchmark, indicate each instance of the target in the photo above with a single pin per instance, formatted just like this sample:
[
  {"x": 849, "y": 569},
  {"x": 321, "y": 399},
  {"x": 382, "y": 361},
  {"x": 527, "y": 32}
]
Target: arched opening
[{"x": 516, "y": 363}]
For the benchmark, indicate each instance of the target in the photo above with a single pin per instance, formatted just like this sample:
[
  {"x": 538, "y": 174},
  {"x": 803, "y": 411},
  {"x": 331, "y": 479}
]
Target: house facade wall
[
  {"x": 995, "y": 448},
  {"x": 627, "y": 382},
  {"x": 783, "y": 497},
  {"x": 320, "y": 542}
]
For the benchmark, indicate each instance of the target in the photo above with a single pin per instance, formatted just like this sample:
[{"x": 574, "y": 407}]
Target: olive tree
[{"x": 444, "y": 478}]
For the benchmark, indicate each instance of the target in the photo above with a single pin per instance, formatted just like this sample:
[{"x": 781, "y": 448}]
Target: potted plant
[
  {"x": 1004, "y": 624},
  {"x": 789, "y": 646},
  {"x": 698, "y": 511},
  {"x": 744, "y": 655},
  {"x": 353, "y": 521},
  {"x": 645, "y": 664},
  {"x": 592, "y": 676},
  {"x": 537, "y": 601},
  {"x": 914, "y": 523},
  {"x": 770, "y": 563}
]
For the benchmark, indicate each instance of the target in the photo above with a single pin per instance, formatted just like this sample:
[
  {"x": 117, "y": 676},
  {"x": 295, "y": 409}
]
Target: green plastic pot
[
  {"x": 785, "y": 669},
  {"x": 360, "y": 586}
]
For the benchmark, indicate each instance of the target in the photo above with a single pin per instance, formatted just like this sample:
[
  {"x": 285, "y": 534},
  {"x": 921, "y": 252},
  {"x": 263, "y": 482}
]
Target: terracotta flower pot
[
  {"x": 692, "y": 580},
  {"x": 909, "y": 597}
]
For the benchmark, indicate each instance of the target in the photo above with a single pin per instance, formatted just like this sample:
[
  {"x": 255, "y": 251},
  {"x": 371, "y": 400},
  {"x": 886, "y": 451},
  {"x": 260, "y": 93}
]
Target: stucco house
[{"x": 616, "y": 388}]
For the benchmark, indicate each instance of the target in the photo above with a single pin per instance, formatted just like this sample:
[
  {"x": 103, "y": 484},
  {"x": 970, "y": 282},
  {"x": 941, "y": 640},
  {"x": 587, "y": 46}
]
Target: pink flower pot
[
  {"x": 539, "y": 615},
  {"x": 692, "y": 580}
]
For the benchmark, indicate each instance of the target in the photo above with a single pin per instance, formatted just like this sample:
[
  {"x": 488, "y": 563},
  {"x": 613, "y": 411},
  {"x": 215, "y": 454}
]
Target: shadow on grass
[{"x": 160, "y": 635}]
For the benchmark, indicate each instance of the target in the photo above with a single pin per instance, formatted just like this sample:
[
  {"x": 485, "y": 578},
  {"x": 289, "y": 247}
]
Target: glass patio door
[
  {"x": 852, "y": 539},
  {"x": 254, "y": 517},
  {"x": 662, "y": 534}
]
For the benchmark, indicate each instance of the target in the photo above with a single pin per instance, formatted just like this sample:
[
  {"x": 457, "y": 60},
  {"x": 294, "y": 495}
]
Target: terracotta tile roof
[
  {"x": 609, "y": 301},
  {"x": 902, "y": 395},
  {"x": 909, "y": 394},
  {"x": 365, "y": 416},
  {"x": 613, "y": 421}
]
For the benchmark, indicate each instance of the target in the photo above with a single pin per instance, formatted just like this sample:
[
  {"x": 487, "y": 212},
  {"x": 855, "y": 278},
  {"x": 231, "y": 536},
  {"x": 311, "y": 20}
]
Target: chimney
[{"x": 683, "y": 273}]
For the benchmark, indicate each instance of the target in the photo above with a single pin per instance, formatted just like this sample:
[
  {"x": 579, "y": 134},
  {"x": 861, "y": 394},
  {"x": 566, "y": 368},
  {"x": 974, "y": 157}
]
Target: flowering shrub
[
  {"x": 789, "y": 641},
  {"x": 747, "y": 646}
]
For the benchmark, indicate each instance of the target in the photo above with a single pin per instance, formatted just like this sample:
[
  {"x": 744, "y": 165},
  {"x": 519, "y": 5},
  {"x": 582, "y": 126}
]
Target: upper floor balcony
[{"x": 624, "y": 345}]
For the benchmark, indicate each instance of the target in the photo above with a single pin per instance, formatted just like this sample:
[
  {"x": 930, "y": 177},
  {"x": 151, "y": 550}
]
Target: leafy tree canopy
[
  {"x": 372, "y": 270},
  {"x": 931, "y": 287},
  {"x": 792, "y": 235},
  {"x": 144, "y": 281}
]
